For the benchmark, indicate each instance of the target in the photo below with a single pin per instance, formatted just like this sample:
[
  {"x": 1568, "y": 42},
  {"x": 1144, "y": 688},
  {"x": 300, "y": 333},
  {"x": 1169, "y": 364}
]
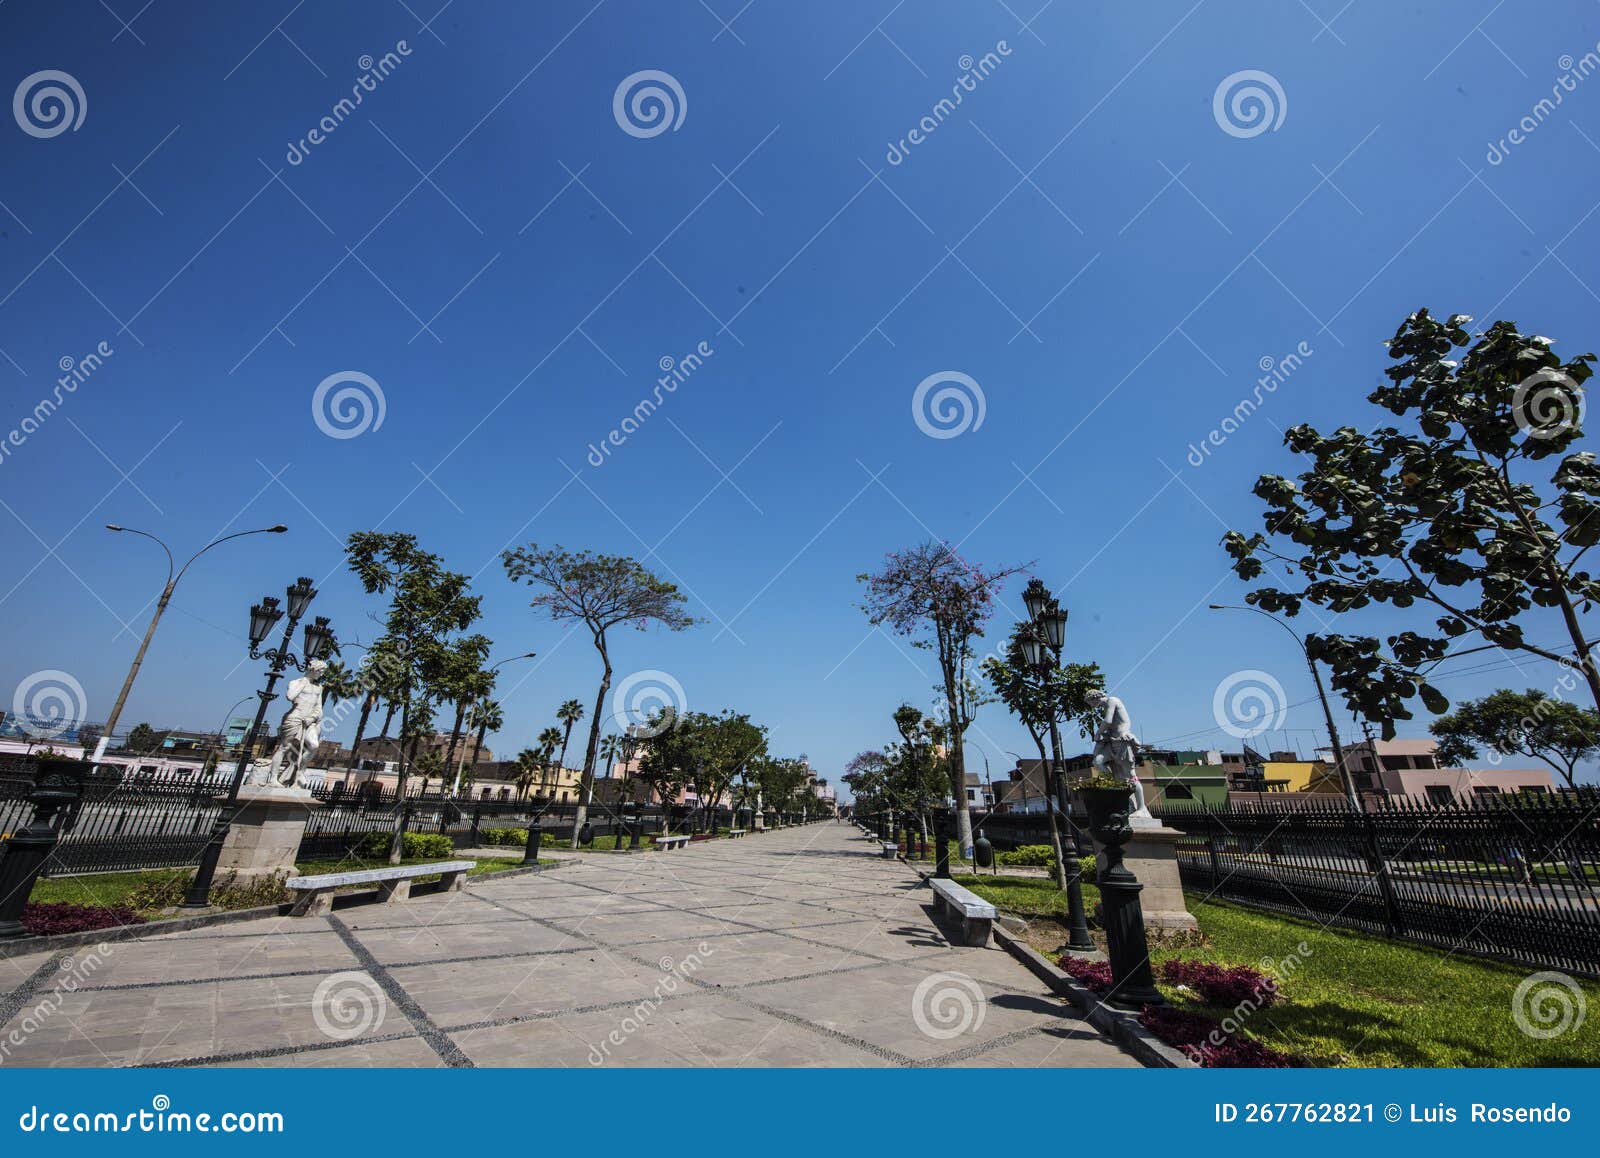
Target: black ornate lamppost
[
  {"x": 57, "y": 786},
  {"x": 1041, "y": 647},
  {"x": 629, "y": 746},
  {"x": 1133, "y": 984},
  {"x": 318, "y": 642}
]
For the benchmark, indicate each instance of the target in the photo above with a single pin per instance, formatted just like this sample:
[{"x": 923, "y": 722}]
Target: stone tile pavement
[{"x": 792, "y": 948}]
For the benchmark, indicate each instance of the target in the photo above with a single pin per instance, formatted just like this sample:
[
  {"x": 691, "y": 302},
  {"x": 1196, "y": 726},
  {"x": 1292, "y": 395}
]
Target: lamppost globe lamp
[
  {"x": 1054, "y": 623},
  {"x": 263, "y": 616},
  {"x": 319, "y": 639},
  {"x": 300, "y": 596},
  {"x": 1032, "y": 650},
  {"x": 1036, "y": 597}
]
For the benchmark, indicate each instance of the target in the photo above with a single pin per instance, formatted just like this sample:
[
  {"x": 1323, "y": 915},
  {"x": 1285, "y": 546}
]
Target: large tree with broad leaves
[
  {"x": 1476, "y": 510},
  {"x": 940, "y": 602},
  {"x": 600, "y": 592}
]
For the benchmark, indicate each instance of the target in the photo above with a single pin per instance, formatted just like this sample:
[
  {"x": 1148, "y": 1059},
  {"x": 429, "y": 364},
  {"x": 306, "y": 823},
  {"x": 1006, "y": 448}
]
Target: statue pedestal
[
  {"x": 1151, "y": 855},
  {"x": 266, "y": 826}
]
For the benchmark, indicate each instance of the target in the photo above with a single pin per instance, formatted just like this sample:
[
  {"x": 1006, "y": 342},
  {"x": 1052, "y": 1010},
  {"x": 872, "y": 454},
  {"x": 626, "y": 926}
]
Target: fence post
[
  {"x": 477, "y": 814},
  {"x": 530, "y": 854},
  {"x": 1391, "y": 907}
]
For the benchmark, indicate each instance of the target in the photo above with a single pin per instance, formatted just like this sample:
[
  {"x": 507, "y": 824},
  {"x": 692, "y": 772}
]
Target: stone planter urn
[{"x": 1133, "y": 983}]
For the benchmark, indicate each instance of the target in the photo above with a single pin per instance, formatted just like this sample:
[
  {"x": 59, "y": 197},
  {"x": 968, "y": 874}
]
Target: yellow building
[{"x": 1300, "y": 776}]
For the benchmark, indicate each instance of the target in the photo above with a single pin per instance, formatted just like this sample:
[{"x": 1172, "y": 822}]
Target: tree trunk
[
  {"x": 450, "y": 752},
  {"x": 397, "y": 840},
  {"x": 368, "y": 702},
  {"x": 586, "y": 786},
  {"x": 1052, "y": 801},
  {"x": 958, "y": 764}
]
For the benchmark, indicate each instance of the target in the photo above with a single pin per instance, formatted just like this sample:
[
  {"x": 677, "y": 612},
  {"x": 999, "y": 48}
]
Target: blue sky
[{"x": 483, "y": 239}]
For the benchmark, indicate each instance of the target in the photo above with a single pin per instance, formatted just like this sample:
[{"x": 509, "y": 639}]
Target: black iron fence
[
  {"x": 120, "y": 823},
  {"x": 1512, "y": 879}
]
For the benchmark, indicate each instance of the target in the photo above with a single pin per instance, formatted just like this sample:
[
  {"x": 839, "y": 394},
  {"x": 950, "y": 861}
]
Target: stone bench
[
  {"x": 393, "y": 881},
  {"x": 977, "y": 916},
  {"x": 890, "y": 849},
  {"x": 733, "y": 832},
  {"x": 671, "y": 841}
]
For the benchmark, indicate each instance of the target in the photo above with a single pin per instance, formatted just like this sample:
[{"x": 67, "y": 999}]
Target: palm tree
[
  {"x": 568, "y": 714},
  {"x": 528, "y": 765},
  {"x": 549, "y": 740},
  {"x": 491, "y": 718},
  {"x": 463, "y": 680}
]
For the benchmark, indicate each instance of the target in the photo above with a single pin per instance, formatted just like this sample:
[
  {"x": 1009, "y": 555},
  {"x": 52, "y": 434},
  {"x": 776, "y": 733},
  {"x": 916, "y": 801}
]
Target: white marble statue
[
  {"x": 300, "y": 732},
  {"x": 1116, "y": 751}
]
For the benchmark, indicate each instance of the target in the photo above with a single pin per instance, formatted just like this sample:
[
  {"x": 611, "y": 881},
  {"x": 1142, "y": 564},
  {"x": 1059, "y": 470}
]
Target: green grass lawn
[
  {"x": 106, "y": 890},
  {"x": 1351, "y": 1000}
]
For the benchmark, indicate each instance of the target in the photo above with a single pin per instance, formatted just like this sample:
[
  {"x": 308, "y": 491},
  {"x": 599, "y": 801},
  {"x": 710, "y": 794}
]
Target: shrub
[
  {"x": 498, "y": 836},
  {"x": 1093, "y": 975},
  {"x": 414, "y": 845},
  {"x": 1028, "y": 856},
  {"x": 44, "y": 918},
  {"x": 159, "y": 891},
  {"x": 1216, "y": 985},
  {"x": 228, "y": 891},
  {"x": 1208, "y": 1044}
]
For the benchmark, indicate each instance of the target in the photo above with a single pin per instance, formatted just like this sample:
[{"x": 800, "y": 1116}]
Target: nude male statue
[
  {"x": 1116, "y": 751},
  {"x": 301, "y": 729}
]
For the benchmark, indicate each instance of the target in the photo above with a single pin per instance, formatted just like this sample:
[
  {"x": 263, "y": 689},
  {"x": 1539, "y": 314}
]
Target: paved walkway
[{"x": 792, "y": 948}]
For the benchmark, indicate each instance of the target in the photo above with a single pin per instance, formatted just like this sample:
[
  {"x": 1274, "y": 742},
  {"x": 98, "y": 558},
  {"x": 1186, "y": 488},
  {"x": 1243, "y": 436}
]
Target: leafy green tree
[
  {"x": 1458, "y": 513},
  {"x": 462, "y": 680},
  {"x": 1529, "y": 723},
  {"x": 142, "y": 738},
  {"x": 940, "y": 602},
  {"x": 601, "y": 592},
  {"x": 488, "y": 716},
  {"x": 427, "y": 605},
  {"x": 668, "y": 762}
]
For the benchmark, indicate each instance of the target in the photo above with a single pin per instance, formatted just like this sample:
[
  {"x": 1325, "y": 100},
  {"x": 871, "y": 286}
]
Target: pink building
[{"x": 1407, "y": 768}]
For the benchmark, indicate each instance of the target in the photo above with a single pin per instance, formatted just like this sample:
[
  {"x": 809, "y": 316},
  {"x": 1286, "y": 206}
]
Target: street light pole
[
  {"x": 455, "y": 787},
  {"x": 1345, "y": 778},
  {"x": 1043, "y": 646},
  {"x": 264, "y": 617},
  {"x": 161, "y": 606}
]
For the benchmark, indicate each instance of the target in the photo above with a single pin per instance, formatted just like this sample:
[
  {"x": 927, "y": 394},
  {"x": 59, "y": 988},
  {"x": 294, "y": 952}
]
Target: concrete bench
[
  {"x": 733, "y": 832},
  {"x": 671, "y": 841},
  {"x": 977, "y": 916},
  {"x": 393, "y": 881},
  {"x": 890, "y": 849}
]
